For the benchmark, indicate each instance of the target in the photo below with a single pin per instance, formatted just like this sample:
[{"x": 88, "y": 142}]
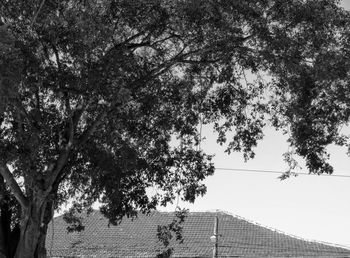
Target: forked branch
[{"x": 13, "y": 185}]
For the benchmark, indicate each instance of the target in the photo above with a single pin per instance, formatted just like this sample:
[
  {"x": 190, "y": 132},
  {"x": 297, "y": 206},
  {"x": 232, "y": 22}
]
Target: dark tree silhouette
[{"x": 93, "y": 93}]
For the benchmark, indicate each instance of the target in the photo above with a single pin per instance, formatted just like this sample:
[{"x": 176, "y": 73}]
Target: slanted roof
[{"x": 137, "y": 238}]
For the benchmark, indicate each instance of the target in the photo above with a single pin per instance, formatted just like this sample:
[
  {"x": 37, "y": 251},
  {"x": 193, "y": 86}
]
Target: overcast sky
[{"x": 308, "y": 206}]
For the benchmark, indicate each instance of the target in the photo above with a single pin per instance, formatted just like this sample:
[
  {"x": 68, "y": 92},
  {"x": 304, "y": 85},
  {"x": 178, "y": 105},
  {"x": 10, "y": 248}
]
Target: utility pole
[{"x": 215, "y": 237}]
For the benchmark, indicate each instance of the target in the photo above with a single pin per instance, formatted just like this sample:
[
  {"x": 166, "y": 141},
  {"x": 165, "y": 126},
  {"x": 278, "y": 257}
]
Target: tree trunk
[
  {"x": 32, "y": 230},
  {"x": 3, "y": 248},
  {"x": 41, "y": 251},
  {"x": 8, "y": 237},
  {"x": 3, "y": 235},
  {"x": 6, "y": 242},
  {"x": 5, "y": 222}
]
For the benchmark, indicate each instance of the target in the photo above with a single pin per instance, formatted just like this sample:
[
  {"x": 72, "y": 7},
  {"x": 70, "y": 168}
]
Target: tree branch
[
  {"x": 54, "y": 170},
  {"x": 63, "y": 157},
  {"x": 58, "y": 62},
  {"x": 189, "y": 61},
  {"x": 13, "y": 185},
  {"x": 37, "y": 13},
  {"x": 78, "y": 111},
  {"x": 60, "y": 163},
  {"x": 89, "y": 131}
]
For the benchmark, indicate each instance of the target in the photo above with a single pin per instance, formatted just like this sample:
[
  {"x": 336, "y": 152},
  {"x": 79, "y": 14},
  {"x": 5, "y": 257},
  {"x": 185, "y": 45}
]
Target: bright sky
[{"x": 308, "y": 206}]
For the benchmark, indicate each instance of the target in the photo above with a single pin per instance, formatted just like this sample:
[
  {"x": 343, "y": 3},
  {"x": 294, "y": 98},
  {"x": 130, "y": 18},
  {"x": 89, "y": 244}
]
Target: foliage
[
  {"x": 311, "y": 92},
  {"x": 96, "y": 96},
  {"x": 72, "y": 218},
  {"x": 165, "y": 232}
]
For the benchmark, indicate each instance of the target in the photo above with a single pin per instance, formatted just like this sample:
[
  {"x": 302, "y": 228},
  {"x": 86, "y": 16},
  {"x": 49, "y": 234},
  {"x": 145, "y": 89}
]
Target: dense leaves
[
  {"x": 311, "y": 96},
  {"x": 103, "y": 100}
]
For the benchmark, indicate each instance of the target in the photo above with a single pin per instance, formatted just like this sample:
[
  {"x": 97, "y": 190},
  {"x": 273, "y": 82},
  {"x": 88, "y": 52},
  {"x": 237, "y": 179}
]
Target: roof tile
[{"x": 137, "y": 238}]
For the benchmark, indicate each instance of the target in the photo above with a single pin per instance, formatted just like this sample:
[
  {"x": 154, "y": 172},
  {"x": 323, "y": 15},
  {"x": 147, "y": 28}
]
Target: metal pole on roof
[{"x": 215, "y": 237}]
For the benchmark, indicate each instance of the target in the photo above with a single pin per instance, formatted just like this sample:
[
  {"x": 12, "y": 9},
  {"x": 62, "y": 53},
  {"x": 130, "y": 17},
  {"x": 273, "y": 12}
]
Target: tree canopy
[{"x": 101, "y": 100}]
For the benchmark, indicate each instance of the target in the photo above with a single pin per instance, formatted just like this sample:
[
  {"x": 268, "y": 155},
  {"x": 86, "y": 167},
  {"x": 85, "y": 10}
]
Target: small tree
[{"x": 93, "y": 93}]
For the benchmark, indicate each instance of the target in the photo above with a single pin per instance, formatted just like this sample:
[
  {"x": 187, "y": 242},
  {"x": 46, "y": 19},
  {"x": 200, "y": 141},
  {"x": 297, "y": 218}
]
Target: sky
[{"x": 308, "y": 206}]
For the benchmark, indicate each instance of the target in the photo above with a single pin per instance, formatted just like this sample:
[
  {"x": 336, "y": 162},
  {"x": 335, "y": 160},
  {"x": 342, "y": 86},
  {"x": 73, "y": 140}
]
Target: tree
[{"x": 102, "y": 99}]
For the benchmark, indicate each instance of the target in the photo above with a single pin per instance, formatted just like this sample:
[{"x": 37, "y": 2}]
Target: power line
[{"x": 275, "y": 172}]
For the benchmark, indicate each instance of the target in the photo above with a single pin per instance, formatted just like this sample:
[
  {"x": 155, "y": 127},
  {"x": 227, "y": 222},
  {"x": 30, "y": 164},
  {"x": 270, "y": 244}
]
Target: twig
[{"x": 37, "y": 13}]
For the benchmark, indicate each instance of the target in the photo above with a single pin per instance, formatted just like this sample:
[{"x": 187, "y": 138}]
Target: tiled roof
[{"x": 137, "y": 238}]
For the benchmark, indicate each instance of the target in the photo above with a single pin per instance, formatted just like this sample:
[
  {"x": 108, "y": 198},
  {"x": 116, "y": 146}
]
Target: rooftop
[{"x": 137, "y": 238}]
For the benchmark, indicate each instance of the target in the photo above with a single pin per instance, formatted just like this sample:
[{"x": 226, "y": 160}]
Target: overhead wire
[{"x": 278, "y": 172}]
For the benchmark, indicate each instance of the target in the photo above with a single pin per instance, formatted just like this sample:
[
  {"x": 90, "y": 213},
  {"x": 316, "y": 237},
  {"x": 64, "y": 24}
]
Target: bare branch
[
  {"x": 189, "y": 61},
  {"x": 13, "y": 185},
  {"x": 20, "y": 124},
  {"x": 58, "y": 62},
  {"x": 131, "y": 38},
  {"x": 125, "y": 43},
  {"x": 37, "y": 13},
  {"x": 172, "y": 35},
  {"x": 67, "y": 104},
  {"x": 71, "y": 133}
]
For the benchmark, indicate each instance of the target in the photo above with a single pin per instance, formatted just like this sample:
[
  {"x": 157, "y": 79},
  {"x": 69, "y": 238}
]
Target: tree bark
[
  {"x": 3, "y": 248},
  {"x": 13, "y": 185},
  {"x": 41, "y": 251},
  {"x": 8, "y": 237},
  {"x": 5, "y": 218},
  {"x": 32, "y": 230},
  {"x": 6, "y": 242}
]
